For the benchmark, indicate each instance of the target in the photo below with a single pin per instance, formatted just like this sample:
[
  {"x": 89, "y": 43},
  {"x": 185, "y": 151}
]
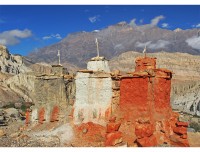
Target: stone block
[
  {"x": 112, "y": 127},
  {"x": 112, "y": 119},
  {"x": 113, "y": 138},
  {"x": 178, "y": 141},
  {"x": 184, "y": 136},
  {"x": 144, "y": 130},
  {"x": 147, "y": 141},
  {"x": 180, "y": 130},
  {"x": 182, "y": 124}
]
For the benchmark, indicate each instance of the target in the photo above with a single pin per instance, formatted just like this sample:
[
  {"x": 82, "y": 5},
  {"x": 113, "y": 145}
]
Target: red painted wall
[
  {"x": 41, "y": 115},
  {"x": 133, "y": 96},
  {"x": 54, "y": 114}
]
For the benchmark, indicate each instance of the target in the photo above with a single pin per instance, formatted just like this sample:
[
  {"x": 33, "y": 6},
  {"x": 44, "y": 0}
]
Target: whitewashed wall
[
  {"x": 34, "y": 115},
  {"x": 98, "y": 66},
  {"x": 93, "y": 98}
]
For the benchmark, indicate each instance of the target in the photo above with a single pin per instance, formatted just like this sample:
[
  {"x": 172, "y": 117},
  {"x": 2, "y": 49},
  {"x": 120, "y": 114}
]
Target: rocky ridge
[
  {"x": 77, "y": 48},
  {"x": 12, "y": 64}
]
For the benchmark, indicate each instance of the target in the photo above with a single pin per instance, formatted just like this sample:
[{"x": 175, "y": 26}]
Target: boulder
[
  {"x": 182, "y": 124},
  {"x": 147, "y": 141},
  {"x": 12, "y": 112},
  {"x": 113, "y": 138},
  {"x": 2, "y": 133},
  {"x": 144, "y": 130},
  {"x": 178, "y": 141},
  {"x": 112, "y": 127},
  {"x": 180, "y": 130}
]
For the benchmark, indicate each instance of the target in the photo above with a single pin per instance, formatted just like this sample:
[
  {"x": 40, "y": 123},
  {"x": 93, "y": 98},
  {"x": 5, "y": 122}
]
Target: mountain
[
  {"x": 183, "y": 65},
  {"x": 79, "y": 47}
]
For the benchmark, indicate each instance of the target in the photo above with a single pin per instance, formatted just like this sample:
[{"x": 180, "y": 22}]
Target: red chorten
[{"x": 145, "y": 110}]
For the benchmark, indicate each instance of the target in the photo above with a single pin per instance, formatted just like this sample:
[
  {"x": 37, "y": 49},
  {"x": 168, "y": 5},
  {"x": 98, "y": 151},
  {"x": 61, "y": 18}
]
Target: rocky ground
[
  {"x": 16, "y": 135},
  {"x": 193, "y": 138},
  {"x": 56, "y": 134}
]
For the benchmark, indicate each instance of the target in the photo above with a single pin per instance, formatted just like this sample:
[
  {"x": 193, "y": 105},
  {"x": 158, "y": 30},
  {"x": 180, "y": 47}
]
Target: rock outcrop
[
  {"x": 9, "y": 63},
  {"x": 186, "y": 97},
  {"x": 7, "y": 95},
  {"x": 23, "y": 85}
]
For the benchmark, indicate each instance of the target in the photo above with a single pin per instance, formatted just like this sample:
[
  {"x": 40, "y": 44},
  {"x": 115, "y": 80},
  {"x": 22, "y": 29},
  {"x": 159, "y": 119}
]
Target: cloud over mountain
[
  {"x": 196, "y": 25},
  {"x": 165, "y": 25},
  {"x": 56, "y": 36},
  {"x": 194, "y": 42},
  {"x": 93, "y": 19},
  {"x": 160, "y": 44},
  {"x": 154, "y": 22},
  {"x": 13, "y": 37}
]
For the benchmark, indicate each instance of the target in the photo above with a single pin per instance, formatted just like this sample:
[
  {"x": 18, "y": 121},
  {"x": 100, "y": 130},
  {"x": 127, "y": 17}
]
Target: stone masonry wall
[{"x": 50, "y": 99}]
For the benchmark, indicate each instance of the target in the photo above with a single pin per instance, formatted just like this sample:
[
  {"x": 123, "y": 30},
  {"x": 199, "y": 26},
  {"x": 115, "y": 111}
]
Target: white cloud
[
  {"x": 46, "y": 37},
  {"x": 132, "y": 23},
  {"x": 119, "y": 46},
  {"x": 56, "y": 36},
  {"x": 165, "y": 25},
  {"x": 157, "y": 45},
  {"x": 197, "y": 25},
  {"x": 142, "y": 45},
  {"x": 154, "y": 22},
  {"x": 194, "y": 42},
  {"x": 13, "y": 37},
  {"x": 93, "y": 19}
]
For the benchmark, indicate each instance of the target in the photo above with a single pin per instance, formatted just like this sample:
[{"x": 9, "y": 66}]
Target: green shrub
[{"x": 23, "y": 107}]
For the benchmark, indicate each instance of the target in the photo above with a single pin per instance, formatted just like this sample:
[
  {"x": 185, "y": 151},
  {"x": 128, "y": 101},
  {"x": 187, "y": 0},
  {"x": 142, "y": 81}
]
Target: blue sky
[{"x": 28, "y": 27}]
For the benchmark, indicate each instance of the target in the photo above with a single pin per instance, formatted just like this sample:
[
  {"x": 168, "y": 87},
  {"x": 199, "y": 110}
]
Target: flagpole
[
  {"x": 58, "y": 57},
  {"x": 145, "y": 50},
  {"x": 97, "y": 47}
]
